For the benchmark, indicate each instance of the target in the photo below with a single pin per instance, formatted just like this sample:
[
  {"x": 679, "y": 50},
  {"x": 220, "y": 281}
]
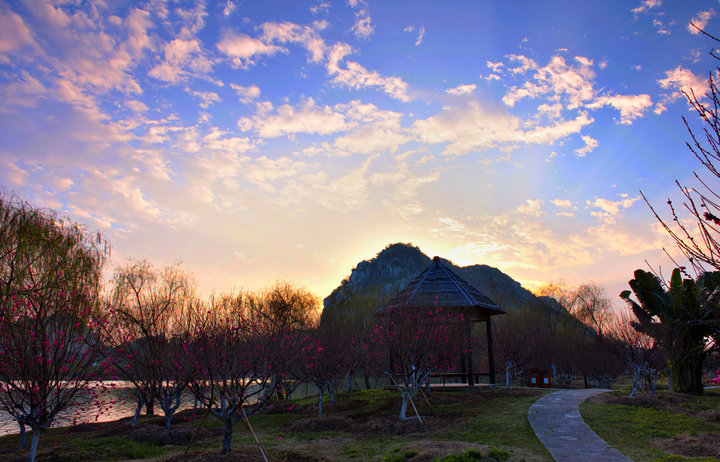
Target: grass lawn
[
  {"x": 668, "y": 427},
  {"x": 483, "y": 424}
]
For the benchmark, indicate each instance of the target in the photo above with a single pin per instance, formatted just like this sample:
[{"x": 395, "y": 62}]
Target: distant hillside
[{"x": 373, "y": 282}]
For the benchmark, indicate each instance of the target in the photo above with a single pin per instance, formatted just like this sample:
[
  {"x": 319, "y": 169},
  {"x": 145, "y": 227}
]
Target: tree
[
  {"x": 639, "y": 351},
  {"x": 50, "y": 317},
  {"x": 232, "y": 361},
  {"x": 681, "y": 319},
  {"x": 588, "y": 302},
  {"x": 520, "y": 342},
  {"x": 411, "y": 344},
  {"x": 153, "y": 322},
  {"x": 699, "y": 242},
  {"x": 276, "y": 311},
  {"x": 592, "y": 307},
  {"x": 315, "y": 356},
  {"x": 282, "y": 307}
]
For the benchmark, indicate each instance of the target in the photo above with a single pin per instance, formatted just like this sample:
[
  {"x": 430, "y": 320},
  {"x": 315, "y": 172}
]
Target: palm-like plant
[{"x": 681, "y": 318}]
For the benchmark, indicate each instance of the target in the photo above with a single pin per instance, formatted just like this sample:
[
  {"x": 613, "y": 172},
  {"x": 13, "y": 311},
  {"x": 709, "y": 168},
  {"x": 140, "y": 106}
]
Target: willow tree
[{"x": 50, "y": 316}]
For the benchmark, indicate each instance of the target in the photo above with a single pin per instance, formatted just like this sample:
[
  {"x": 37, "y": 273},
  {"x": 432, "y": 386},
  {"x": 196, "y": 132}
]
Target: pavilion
[{"x": 437, "y": 285}]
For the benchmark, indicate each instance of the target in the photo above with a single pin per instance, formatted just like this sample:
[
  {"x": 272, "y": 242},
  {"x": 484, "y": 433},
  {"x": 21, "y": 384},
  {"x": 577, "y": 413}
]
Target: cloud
[
  {"x": 683, "y": 81},
  {"x": 531, "y": 207},
  {"x": 609, "y": 210},
  {"x": 136, "y": 106},
  {"x": 25, "y": 90},
  {"x": 354, "y": 75},
  {"x": 287, "y": 32},
  {"x": 182, "y": 59},
  {"x": 246, "y": 94},
  {"x": 590, "y": 144},
  {"x": 372, "y": 137},
  {"x": 563, "y": 203},
  {"x": 421, "y": 33},
  {"x": 558, "y": 81},
  {"x": 321, "y": 7},
  {"x": 462, "y": 89},
  {"x": 700, "y": 21},
  {"x": 306, "y": 117},
  {"x": 630, "y": 106},
  {"x": 241, "y": 48},
  {"x": 207, "y": 98},
  {"x": 473, "y": 127},
  {"x": 660, "y": 27},
  {"x": 229, "y": 8},
  {"x": 363, "y": 27},
  {"x": 565, "y": 86},
  {"x": 192, "y": 20},
  {"x": 138, "y": 23},
  {"x": 12, "y": 173},
  {"x": 646, "y": 6},
  {"x": 14, "y": 35}
]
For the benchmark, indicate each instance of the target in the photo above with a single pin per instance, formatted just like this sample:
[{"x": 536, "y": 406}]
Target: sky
[{"x": 255, "y": 141}]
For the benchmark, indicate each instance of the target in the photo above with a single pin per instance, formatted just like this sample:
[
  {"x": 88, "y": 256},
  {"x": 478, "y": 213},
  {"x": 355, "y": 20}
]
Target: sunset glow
[{"x": 259, "y": 140}]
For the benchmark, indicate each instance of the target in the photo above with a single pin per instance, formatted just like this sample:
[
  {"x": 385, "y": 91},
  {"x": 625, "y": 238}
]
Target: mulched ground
[{"x": 693, "y": 446}]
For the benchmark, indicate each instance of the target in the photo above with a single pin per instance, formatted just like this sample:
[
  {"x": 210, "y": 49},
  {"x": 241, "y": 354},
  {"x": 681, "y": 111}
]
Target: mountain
[{"x": 373, "y": 282}]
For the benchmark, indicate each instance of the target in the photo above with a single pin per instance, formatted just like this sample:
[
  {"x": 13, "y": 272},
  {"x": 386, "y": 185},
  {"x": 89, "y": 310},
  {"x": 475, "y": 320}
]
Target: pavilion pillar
[
  {"x": 469, "y": 355},
  {"x": 491, "y": 356}
]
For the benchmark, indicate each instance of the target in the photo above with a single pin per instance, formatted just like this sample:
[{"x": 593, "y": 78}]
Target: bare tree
[
  {"x": 282, "y": 307},
  {"x": 638, "y": 350},
  {"x": 153, "y": 322},
  {"x": 592, "y": 306}
]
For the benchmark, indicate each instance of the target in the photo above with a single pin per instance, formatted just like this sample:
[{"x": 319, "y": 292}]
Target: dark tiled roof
[{"x": 437, "y": 285}]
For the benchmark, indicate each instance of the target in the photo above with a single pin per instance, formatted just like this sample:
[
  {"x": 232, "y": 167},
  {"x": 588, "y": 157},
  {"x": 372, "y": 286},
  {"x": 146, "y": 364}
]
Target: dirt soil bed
[{"x": 693, "y": 446}]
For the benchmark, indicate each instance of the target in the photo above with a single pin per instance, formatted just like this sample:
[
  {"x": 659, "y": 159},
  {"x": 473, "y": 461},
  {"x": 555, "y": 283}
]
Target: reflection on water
[{"x": 115, "y": 403}]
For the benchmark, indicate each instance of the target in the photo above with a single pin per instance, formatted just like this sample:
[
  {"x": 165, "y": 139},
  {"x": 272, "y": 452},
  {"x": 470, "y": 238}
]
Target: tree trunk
[
  {"x": 636, "y": 378},
  {"x": 686, "y": 374},
  {"x": 150, "y": 406},
  {"x": 22, "y": 434},
  {"x": 366, "y": 376},
  {"x": 320, "y": 393},
  {"x": 138, "y": 409},
  {"x": 651, "y": 383},
  {"x": 331, "y": 390},
  {"x": 34, "y": 444},
  {"x": 403, "y": 407},
  {"x": 227, "y": 438}
]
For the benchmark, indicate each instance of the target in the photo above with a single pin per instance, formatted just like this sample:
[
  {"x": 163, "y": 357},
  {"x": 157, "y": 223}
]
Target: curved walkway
[{"x": 556, "y": 421}]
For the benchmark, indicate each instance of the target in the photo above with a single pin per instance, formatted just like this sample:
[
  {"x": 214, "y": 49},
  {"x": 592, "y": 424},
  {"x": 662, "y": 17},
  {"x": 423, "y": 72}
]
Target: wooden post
[
  {"x": 469, "y": 355},
  {"x": 491, "y": 359}
]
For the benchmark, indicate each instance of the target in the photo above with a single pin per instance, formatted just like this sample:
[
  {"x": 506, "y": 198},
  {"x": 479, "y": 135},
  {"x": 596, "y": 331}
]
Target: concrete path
[{"x": 556, "y": 421}]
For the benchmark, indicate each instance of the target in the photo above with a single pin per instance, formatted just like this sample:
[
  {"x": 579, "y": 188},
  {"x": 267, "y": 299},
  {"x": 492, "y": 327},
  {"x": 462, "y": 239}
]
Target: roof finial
[{"x": 436, "y": 258}]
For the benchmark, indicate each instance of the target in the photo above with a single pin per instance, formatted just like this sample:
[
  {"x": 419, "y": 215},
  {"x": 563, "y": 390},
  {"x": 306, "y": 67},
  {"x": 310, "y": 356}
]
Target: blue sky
[{"x": 263, "y": 140}]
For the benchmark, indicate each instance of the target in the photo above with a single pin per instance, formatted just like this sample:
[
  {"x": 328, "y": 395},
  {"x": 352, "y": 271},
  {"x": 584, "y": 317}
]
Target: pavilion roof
[{"x": 438, "y": 285}]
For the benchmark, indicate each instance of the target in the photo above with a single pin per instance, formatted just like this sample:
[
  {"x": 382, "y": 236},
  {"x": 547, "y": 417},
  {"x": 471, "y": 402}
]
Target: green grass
[
  {"x": 633, "y": 429},
  {"x": 116, "y": 448},
  {"x": 362, "y": 426},
  {"x": 500, "y": 422}
]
